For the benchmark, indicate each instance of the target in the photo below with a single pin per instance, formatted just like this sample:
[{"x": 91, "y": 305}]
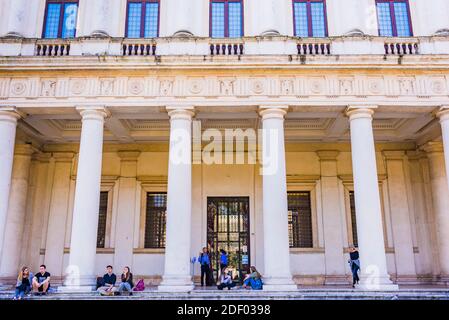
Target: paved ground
[{"x": 303, "y": 293}]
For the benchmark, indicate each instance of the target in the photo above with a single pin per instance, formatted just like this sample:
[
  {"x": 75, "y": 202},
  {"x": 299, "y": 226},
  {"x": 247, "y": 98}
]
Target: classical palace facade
[{"x": 95, "y": 93}]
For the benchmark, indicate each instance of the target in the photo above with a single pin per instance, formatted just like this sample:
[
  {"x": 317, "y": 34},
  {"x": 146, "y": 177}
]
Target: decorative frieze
[{"x": 213, "y": 86}]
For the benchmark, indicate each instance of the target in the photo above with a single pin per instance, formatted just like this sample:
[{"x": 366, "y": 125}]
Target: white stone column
[
  {"x": 83, "y": 243},
  {"x": 440, "y": 201},
  {"x": 334, "y": 257},
  {"x": 370, "y": 233},
  {"x": 177, "y": 275},
  {"x": 400, "y": 217},
  {"x": 444, "y": 120},
  {"x": 126, "y": 207},
  {"x": 8, "y": 125},
  {"x": 277, "y": 275},
  {"x": 59, "y": 195},
  {"x": 12, "y": 244}
]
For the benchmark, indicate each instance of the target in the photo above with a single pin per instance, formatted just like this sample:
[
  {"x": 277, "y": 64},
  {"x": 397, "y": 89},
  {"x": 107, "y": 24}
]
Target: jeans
[
  {"x": 205, "y": 273},
  {"x": 124, "y": 286},
  {"x": 255, "y": 284},
  {"x": 355, "y": 275},
  {"x": 221, "y": 286},
  {"x": 19, "y": 294}
]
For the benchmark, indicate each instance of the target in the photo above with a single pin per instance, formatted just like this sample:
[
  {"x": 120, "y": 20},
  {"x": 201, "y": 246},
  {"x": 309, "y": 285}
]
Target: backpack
[{"x": 140, "y": 286}]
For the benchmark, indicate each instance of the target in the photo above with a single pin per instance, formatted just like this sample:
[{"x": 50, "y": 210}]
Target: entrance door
[{"x": 228, "y": 229}]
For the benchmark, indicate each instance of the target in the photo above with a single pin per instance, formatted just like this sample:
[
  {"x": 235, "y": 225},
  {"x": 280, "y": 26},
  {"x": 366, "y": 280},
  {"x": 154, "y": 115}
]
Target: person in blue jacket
[
  {"x": 205, "y": 262},
  {"x": 223, "y": 260}
]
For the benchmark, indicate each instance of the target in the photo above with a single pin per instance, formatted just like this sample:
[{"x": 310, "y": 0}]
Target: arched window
[
  {"x": 60, "y": 19},
  {"x": 142, "y": 19},
  {"x": 394, "y": 18},
  {"x": 226, "y": 18},
  {"x": 309, "y": 18}
]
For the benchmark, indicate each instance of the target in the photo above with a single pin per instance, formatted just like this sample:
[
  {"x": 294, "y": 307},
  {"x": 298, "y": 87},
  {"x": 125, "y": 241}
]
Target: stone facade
[{"x": 355, "y": 112}]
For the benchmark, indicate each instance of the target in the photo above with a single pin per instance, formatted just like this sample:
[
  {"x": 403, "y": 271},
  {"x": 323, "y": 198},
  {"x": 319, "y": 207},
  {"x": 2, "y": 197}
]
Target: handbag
[{"x": 140, "y": 286}]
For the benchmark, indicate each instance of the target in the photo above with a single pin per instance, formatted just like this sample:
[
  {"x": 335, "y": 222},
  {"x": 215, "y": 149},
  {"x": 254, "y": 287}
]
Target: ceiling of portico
[{"x": 303, "y": 124}]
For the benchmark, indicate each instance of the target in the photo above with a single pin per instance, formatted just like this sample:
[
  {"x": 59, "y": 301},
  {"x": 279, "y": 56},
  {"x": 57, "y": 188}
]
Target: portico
[{"x": 305, "y": 161}]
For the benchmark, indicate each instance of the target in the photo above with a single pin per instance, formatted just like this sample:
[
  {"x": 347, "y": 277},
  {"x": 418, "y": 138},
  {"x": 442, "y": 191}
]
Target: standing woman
[
  {"x": 23, "y": 284},
  {"x": 127, "y": 281},
  {"x": 354, "y": 263}
]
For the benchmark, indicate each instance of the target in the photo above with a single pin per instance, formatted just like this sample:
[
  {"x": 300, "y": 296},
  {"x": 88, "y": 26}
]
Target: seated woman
[
  {"x": 127, "y": 283},
  {"x": 225, "y": 280},
  {"x": 253, "y": 280},
  {"x": 23, "y": 284}
]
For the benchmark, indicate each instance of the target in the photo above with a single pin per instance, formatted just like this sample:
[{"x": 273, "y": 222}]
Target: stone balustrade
[{"x": 200, "y": 46}]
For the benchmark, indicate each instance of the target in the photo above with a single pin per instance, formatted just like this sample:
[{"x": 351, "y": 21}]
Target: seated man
[
  {"x": 108, "y": 283},
  {"x": 41, "y": 281}
]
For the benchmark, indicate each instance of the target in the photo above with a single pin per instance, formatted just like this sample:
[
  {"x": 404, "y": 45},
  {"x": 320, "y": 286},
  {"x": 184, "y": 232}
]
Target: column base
[
  {"x": 279, "y": 284},
  {"x": 78, "y": 284},
  {"x": 337, "y": 280},
  {"x": 176, "y": 284},
  {"x": 377, "y": 284}
]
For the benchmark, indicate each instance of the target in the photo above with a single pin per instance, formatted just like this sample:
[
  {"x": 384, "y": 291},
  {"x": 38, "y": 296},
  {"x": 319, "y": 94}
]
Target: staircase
[{"x": 211, "y": 294}]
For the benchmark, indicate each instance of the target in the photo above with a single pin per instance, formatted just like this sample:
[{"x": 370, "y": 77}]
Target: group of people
[
  {"x": 253, "y": 280},
  {"x": 27, "y": 282},
  {"x": 39, "y": 283}
]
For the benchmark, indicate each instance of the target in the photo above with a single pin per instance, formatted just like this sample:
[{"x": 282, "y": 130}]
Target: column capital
[
  {"x": 23, "y": 149},
  {"x": 10, "y": 114},
  {"x": 415, "y": 155},
  {"x": 180, "y": 112},
  {"x": 394, "y": 155},
  {"x": 43, "y": 157},
  {"x": 273, "y": 112},
  {"x": 63, "y": 156},
  {"x": 432, "y": 147},
  {"x": 443, "y": 113},
  {"x": 328, "y": 155},
  {"x": 126, "y": 155},
  {"x": 93, "y": 112},
  {"x": 363, "y": 111}
]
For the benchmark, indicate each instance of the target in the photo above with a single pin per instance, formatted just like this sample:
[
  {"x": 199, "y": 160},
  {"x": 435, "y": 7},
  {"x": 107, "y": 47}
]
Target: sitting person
[
  {"x": 253, "y": 280},
  {"x": 23, "y": 284},
  {"x": 41, "y": 281},
  {"x": 225, "y": 280},
  {"x": 127, "y": 282},
  {"x": 107, "y": 283}
]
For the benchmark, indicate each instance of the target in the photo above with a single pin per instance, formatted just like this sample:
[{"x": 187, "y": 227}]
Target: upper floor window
[
  {"x": 142, "y": 20},
  {"x": 394, "y": 18},
  {"x": 226, "y": 18},
  {"x": 310, "y": 18},
  {"x": 60, "y": 19}
]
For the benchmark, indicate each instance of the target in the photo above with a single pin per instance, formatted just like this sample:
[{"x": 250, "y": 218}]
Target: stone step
[{"x": 303, "y": 294}]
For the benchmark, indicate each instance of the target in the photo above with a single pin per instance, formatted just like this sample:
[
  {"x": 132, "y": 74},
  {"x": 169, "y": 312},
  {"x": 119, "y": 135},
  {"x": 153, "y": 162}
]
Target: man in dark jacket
[{"x": 107, "y": 283}]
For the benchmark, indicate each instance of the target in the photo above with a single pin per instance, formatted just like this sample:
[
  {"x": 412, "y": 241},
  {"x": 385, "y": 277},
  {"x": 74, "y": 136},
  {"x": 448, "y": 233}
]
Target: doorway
[{"x": 228, "y": 229}]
